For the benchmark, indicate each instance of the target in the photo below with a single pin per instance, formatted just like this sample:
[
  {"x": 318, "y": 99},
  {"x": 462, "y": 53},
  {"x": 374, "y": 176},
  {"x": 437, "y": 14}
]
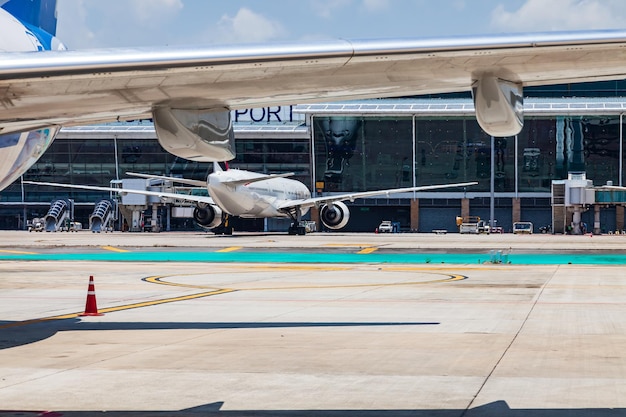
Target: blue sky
[{"x": 114, "y": 23}]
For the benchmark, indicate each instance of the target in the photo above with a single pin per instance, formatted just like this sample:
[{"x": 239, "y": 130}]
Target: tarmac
[{"x": 323, "y": 325}]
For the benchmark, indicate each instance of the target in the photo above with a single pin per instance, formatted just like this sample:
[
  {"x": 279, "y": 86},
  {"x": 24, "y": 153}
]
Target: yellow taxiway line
[
  {"x": 347, "y": 245},
  {"x": 120, "y": 308},
  {"x": 448, "y": 277},
  {"x": 18, "y": 252},
  {"x": 230, "y": 249},
  {"x": 114, "y": 249},
  {"x": 366, "y": 251}
]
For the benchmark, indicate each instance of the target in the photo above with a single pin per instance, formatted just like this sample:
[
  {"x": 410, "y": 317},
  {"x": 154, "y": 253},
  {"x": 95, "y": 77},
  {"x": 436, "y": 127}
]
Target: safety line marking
[
  {"x": 159, "y": 280},
  {"x": 121, "y": 308},
  {"x": 18, "y": 252},
  {"x": 450, "y": 278},
  {"x": 366, "y": 251},
  {"x": 230, "y": 249},
  {"x": 114, "y": 249},
  {"x": 156, "y": 279},
  {"x": 347, "y": 245}
]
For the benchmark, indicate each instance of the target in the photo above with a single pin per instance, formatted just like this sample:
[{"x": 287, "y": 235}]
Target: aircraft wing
[
  {"x": 163, "y": 195},
  {"x": 610, "y": 187},
  {"x": 244, "y": 181},
  {"x": 318, "y": 201},
  {"x": 80, "y": 87},
  {"x": 195, "y": 183}
]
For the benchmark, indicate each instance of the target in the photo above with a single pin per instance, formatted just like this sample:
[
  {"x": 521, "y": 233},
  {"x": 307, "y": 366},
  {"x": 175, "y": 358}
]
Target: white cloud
[
  {"x": 553, "y": 15},
  {"x": 249, "y": 26},
  {"x": 94, "y": 24},
  {"x": 153, "y": 10},
  {"x": 327, "y": 8},
  {"x": 77, "y": 35},
  {"x": 459, "y": 5},
  {"x": 376, "y": 5}
]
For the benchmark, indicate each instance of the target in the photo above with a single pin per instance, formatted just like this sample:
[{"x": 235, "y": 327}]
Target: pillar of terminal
[
  {"x": 153, "y": 221},
  {"x": 465, "y": 207},
  {"x": 619, "y": 218},
  {"x": 415, "y": 215},
  {"x": 516, "y": 214}
]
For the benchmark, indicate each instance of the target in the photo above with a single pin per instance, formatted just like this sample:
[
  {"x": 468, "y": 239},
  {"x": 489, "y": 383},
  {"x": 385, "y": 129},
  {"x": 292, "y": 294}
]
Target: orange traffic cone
[{"x": 91, "y": 308}]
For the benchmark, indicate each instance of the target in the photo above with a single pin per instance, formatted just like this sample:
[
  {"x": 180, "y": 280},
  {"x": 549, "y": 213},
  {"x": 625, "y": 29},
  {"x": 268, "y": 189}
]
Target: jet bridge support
[{"x": 60, "y": 211}]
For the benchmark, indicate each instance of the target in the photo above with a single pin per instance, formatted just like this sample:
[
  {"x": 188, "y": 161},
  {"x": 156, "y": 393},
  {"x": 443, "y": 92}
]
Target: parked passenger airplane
[
  {"x": 253, "y": 195},
  {"x": 190, "y": 92}
]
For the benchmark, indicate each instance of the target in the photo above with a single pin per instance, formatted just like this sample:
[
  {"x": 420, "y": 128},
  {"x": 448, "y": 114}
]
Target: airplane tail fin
[
  {"x": 37, "y": 13},
  {"x": 39, "y": 17}
]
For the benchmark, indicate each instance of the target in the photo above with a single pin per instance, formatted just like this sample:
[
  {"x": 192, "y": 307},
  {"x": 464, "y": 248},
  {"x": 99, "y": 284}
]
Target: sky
[{"x": 116, "y": 23}]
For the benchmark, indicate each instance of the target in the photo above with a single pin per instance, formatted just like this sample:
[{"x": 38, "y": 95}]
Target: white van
[{"x": 523, "y": 228}]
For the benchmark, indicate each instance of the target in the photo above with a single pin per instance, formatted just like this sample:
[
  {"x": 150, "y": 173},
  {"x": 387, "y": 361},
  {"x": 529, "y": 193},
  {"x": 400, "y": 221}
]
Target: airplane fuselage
[
  {"x": 20, "y": 150},
  {"x": 256, "y": 199}
]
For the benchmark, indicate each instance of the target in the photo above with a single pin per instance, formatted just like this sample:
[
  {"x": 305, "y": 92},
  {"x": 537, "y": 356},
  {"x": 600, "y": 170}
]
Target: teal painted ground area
[{"x": 332, "y": 258}]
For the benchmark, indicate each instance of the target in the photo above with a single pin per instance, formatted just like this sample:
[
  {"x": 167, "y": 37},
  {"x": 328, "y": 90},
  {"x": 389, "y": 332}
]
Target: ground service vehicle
[{"x": 385, "y": 227}]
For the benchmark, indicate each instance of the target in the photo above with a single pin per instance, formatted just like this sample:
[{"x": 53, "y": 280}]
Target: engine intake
[
  {"x": 335, "y": 215},
  {"x": 208, "y": 216}
]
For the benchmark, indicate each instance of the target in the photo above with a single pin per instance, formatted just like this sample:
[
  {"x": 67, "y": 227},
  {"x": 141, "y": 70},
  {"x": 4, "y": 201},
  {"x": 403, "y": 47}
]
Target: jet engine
[
  {"x": 499, "y": 105},
  {"x": 204, "y": 135},
  {"x": 207, "y": 216},
  {"x": 335, "y": 215}
]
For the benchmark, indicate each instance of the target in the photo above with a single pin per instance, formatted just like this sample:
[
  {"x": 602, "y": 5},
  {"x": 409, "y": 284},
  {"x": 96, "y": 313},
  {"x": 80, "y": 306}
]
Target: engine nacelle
[
  {"x": 499, "y": 105},
  {"x": 204, "y": 135},
  {"x": 208, "y": 216},
  {"x": 335, "y": 215}
]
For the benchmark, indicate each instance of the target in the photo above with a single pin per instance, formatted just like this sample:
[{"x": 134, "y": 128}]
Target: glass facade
[
  {"x": 339, "y": 151},
  {"x": 362, "y": 154},
  {"x": 369, "y": 153},
  {"x": 275, "y": 155},
  {"x": 96, "y": 161}
]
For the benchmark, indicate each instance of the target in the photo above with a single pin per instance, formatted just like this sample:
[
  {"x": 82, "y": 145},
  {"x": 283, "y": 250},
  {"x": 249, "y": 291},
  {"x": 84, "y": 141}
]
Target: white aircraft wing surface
[
  {"x": 317, "y": 201},
  {"x": 610, "y": 188},
  {"x": 77, "y": 87},
  {"x": 195, "y": 183},
  {"x": 164, "y": 195}
]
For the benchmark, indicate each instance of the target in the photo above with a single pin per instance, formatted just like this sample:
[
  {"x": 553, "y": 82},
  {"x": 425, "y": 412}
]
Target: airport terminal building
[{"x": 369, "y": 145}]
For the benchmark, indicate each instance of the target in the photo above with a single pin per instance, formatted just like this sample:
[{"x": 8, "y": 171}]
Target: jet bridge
[
  {"x": 132, "y": 206},
  {"x": 576, "y": 194},
  {"x": 60, "y": 211},
  {"x": 103, "y": 216}
]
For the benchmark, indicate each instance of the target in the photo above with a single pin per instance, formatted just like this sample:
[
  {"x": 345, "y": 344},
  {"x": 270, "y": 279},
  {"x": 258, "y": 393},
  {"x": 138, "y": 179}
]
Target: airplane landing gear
[
  {"x": 298, "y": 227},
  {"x": 225, "y": 228}
]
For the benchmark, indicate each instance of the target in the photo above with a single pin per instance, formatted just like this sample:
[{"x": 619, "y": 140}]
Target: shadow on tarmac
[
  {"x": 493, "y": 409},
  {"x": 13, "y": 334}
]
